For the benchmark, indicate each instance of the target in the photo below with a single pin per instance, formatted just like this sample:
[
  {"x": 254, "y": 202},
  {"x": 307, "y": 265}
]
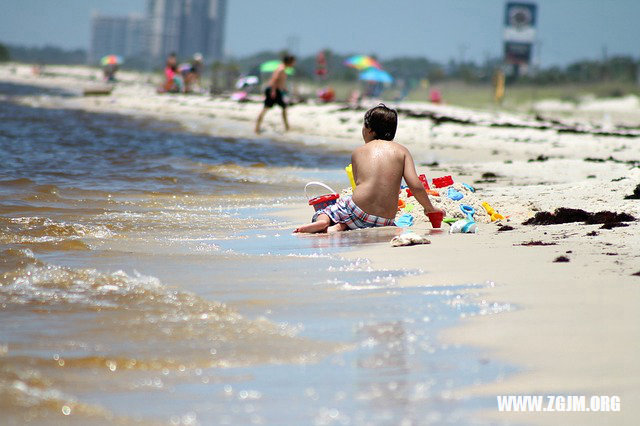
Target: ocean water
[{"x": 146, "y": 277}]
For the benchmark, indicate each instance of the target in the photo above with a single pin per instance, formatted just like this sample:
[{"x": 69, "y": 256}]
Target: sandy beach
[{"x": 568, "y": 327}]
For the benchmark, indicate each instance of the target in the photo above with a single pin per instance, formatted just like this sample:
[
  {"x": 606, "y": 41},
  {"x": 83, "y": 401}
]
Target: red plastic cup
[{"x": 436, "y": 218}]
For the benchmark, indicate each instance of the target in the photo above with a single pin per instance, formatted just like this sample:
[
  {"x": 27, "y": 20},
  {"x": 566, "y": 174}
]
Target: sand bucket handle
[{"x": 319, "y": 184}]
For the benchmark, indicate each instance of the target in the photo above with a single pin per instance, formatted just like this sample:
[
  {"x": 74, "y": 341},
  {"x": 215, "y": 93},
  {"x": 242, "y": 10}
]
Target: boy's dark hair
[
  {"x": 383, "y": 121},
  {"x": 288, "y": 59}
]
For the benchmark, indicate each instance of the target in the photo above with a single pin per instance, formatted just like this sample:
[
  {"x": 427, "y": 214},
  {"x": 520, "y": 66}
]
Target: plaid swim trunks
[{"x": 345, "y": 211}]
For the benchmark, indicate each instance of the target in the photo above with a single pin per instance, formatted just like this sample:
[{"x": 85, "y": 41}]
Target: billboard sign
[{"x": 520, "y": 20}]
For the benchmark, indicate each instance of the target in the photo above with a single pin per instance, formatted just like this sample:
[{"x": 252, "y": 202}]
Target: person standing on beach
[{"x": 273, "y": 93}]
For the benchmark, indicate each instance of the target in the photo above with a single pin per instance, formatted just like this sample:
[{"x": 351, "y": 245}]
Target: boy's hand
[{"x": 434, "y": 209}]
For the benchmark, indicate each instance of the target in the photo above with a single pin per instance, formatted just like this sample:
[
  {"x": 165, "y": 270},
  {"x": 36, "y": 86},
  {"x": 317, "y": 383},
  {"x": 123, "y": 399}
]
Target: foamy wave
[
  {"x": 25, "y": 396},
  {"x": 34, "y": 229},
  {"x": 180, "y": 324},
  {"x": 38, "y": 283}
]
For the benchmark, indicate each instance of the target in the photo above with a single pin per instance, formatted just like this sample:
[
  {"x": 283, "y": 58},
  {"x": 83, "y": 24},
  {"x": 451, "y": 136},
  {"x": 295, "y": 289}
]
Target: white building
[
  {"x": 118, "y": 35},
  {"x": 181, "y": 26},
  {"x": 186, "y": 27}
]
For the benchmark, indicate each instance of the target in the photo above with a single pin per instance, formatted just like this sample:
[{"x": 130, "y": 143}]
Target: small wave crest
[
  {"x": 25, "y": 397},
  {"x": 167, "y": 324}
]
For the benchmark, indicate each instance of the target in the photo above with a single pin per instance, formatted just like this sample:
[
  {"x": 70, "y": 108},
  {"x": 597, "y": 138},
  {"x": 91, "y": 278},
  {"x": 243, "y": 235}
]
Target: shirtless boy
[
  {"x": 378, "y": 168},
  {"x": 273, "y": 93}
]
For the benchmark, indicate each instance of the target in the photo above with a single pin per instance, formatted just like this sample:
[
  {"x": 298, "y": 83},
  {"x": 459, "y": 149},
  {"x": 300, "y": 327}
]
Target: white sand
[{"x": 576, "y": 329}]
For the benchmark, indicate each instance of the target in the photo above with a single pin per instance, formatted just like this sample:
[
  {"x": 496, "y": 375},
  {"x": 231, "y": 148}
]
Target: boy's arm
[
  {"x": 273, "y": 83},
  {"x": 411, "y": 178},
  {"x": 353, "y": 166}
]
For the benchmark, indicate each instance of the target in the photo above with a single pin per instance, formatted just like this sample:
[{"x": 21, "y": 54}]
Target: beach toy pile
[{"x": 459, "y": 200}]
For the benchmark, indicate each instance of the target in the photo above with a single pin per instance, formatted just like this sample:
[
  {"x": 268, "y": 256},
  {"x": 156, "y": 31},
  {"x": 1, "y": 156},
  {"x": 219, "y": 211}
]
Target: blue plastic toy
[
  {"x": 465, "y": 226},
  {"x": 454, "y": 194},
  {"x": 468, "y": 211},
  {"x": 404, "y": 221},
  {"x": 469, "y": 187}
]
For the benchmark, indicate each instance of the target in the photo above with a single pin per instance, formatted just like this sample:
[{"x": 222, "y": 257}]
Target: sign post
[{"x": 519, "y": 35}]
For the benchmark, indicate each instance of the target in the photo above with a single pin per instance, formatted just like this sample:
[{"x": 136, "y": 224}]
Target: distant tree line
[
  {"x": 4, "y": 53},
  {"x": 46, "y": 55},
  {"x": 405, "y": 69},
  {"x": 618, "y": 69}
]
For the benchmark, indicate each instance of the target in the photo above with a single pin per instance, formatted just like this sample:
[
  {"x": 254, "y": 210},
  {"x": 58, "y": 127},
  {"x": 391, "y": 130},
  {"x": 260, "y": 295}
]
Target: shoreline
[{"x": 564, "y": 311}]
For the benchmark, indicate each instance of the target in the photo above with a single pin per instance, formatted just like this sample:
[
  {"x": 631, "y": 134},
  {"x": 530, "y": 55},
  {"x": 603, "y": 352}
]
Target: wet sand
[{"x": 568, "y": 328}]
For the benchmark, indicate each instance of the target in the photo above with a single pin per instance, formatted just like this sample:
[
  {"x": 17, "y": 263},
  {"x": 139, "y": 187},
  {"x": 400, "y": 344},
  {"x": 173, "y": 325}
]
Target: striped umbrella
[
  {"x": 362, "y": 62},
  {"x": 111, "y": 60}
]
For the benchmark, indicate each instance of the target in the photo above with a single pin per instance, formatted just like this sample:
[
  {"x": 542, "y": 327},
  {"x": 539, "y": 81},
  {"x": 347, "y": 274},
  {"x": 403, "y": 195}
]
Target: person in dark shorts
[
  {"x": 269, "y": 102},
  {"x": 273, "y": 93}
]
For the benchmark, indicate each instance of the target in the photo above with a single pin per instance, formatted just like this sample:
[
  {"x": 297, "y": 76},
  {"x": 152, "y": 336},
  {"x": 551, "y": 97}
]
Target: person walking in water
[{"x": 273, "y": 93}]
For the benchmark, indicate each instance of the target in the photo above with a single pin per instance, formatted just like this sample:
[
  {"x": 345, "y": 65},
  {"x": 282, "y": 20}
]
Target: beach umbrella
[
  {"x": 376, "y": 75},
  {"x": 271, "y": 66},
  {"x": 362, "y": 62},
  {"x": 250, "y": 80},
  {"x": 111, "y": 60}
]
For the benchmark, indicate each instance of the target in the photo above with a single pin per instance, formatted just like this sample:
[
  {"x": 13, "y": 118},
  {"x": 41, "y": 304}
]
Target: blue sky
[{"x": 440, "y": 30}]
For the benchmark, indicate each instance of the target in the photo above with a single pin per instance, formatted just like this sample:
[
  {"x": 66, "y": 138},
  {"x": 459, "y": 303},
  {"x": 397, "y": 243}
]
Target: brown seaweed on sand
[
  {"x": 635, "y": 195},
  {"x": 537, "y": 243},
  {"x": 566, "y": 215},
  {"x": 561, "y": 259}
]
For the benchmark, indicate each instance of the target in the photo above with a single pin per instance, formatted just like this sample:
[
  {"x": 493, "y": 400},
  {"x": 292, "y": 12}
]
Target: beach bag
[{"x": 322, "y": 201}]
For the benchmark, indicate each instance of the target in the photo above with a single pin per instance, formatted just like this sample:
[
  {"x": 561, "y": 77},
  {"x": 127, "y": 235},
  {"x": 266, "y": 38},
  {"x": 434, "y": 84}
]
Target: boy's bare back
[{"x": 378, "y": 168}]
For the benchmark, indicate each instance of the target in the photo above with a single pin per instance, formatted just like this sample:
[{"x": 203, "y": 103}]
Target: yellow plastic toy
[
  {"x": 349, "y": 170},
  {"x": 491, "y": 212}
]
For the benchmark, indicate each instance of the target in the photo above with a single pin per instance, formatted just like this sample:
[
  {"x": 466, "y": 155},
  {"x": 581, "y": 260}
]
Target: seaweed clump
[
  {"x": 565, "y": 215},
  {"x": 537, "y": 243},
  {"x": 635, "y": 195}
]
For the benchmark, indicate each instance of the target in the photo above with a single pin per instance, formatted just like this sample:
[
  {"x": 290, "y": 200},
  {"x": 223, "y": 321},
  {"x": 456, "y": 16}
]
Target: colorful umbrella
[
  {"x": 111, "y": 60},
  {"x": 377, "y": 75},
  {"x": 362, "y": 62},
  {"x": 271, "y": 66}
]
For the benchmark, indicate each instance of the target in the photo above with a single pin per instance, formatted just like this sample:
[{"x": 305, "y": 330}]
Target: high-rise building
[
  {"x": 181, "y": 26},
  {"x": 117, "y": 35},
  {"x": 165, "y": 18},
  {"x": 186, "y": 27},
  {"x": 217, "y": 19}
]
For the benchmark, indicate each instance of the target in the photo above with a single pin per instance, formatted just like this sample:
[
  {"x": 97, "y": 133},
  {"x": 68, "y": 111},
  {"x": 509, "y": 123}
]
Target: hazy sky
[{"x": 438, "y": 29}]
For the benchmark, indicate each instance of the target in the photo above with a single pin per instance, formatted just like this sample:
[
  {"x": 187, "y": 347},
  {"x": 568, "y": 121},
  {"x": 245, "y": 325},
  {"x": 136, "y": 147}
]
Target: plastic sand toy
[
  {"x": 468, "y": 211},
  {"x": 404, "y": 221},
  {"x": 465, "y": 226},
  {"x": 436, "y": 218},
  {"x": 425, "y": 182},
  {"x": 349, "y": 170},
  {"x": 491, "y": 212},
  {"x": 469, "y": 187},
  {"x": 443, "y": 181},
  {"x": 454, "y": 194},
  {"x": 322, "y": 201}
]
